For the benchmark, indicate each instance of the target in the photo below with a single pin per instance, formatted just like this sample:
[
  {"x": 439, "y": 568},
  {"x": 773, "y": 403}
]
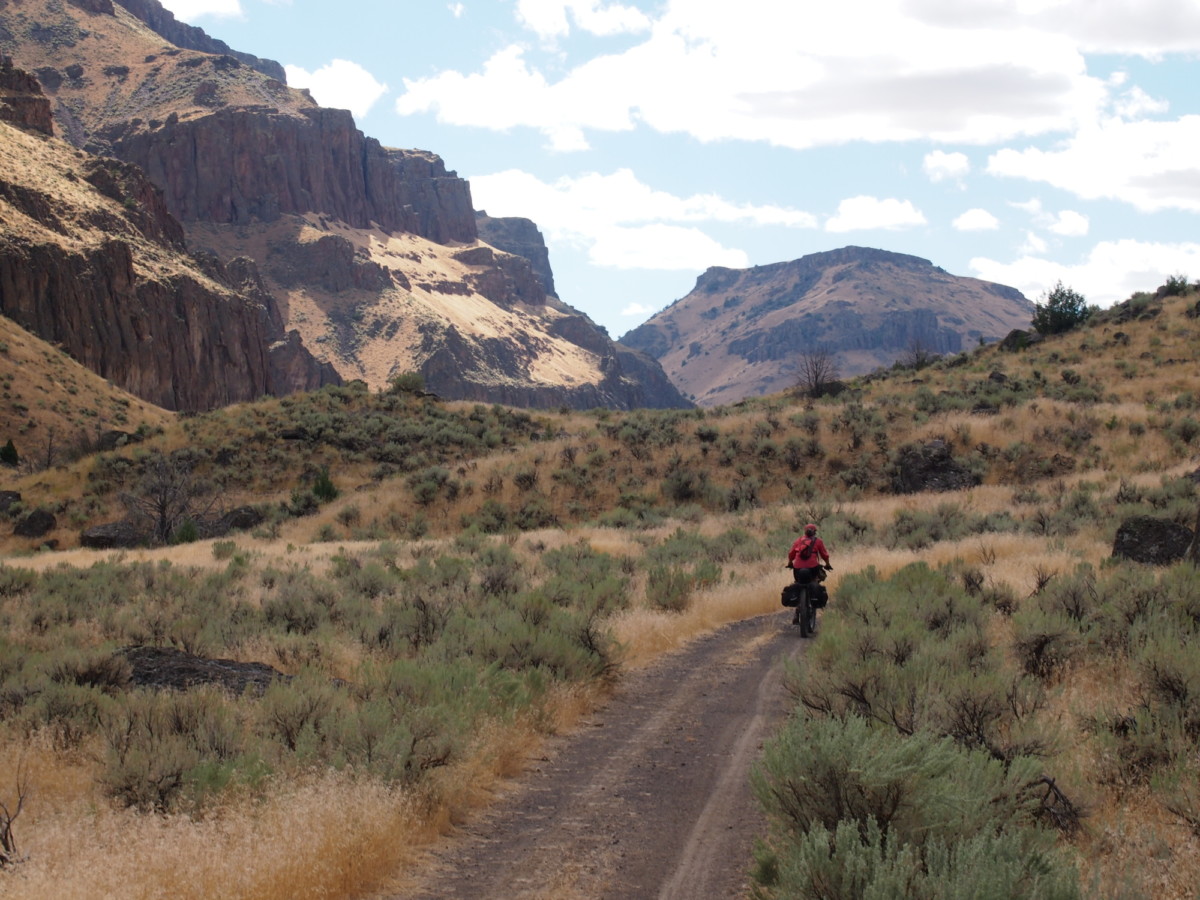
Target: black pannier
[{"x": 791, "y": 594}]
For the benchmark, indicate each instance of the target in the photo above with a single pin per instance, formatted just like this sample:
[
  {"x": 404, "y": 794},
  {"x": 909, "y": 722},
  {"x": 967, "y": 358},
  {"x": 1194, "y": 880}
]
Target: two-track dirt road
[{"x": 649, "y": 799}]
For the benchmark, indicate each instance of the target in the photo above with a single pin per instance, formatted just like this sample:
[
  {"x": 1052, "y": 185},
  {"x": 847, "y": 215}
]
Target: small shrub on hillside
[
  {"x": 1175, "y": 286},
  {"x": 1059, "y": 310},
  {"x": 1045, "y": 643}
]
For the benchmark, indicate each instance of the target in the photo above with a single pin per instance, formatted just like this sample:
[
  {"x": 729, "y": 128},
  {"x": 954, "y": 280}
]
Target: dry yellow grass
[{"x": 328, "y": 834}]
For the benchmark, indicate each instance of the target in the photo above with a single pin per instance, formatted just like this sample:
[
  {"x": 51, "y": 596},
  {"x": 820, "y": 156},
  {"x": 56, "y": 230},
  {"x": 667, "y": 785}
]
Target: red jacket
[{"x": 814, "y": 559}]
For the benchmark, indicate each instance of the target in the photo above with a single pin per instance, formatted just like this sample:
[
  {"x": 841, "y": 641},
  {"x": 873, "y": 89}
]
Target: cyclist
[{"x": 806, "y": 557}]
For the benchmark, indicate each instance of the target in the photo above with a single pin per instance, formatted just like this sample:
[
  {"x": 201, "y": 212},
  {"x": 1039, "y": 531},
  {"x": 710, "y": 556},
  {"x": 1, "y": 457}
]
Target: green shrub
[
  {"x": 1059, "y": 310},
  {"x": 859, "y": 812},
  {"x": 323, "y": 487}
]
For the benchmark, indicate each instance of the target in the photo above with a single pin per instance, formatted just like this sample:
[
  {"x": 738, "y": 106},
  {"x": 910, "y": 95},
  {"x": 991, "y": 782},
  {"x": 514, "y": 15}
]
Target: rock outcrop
[
  {"x": 1152, "y": 540},
  {"x": 742, "y": 333},
  {"x": 21, "y": 100},
  {"x": 522, "y": 237},
  {"x": 163, "y": 23},
  {"x": 240, "y": 165},
  {"x": 91, "y": 259}
]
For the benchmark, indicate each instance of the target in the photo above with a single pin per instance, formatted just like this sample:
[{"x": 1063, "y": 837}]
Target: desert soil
[{"x": 650, "y": 798}]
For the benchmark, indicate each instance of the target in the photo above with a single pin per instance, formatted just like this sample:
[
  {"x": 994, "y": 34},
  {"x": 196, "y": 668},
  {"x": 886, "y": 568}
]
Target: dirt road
[{"x": 650, "y": 799}]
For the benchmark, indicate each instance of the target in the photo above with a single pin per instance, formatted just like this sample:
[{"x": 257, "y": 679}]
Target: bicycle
[{"x": 806, "y": 598}]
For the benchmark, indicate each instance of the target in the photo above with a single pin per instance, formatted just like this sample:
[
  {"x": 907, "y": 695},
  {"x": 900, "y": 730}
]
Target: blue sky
[{"x": 1020, "y": 141}]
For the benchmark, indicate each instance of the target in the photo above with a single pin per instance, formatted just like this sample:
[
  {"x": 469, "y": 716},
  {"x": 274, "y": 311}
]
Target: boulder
[
  {"x": 166, "y": 667},
  {"x": 240, "y": 518},
  {"x": 118, "y": 535},
  {"x": 1019, "y": 339},
  {"x": 8, "y": 499},
  {"x": 35, "y": 524},
  {"x": 1152, "y": 540},
  {"x": 929, "y": 468}
]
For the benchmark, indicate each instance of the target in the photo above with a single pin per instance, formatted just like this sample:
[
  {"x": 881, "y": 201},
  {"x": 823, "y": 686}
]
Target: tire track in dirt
[{"x": 650, "y": 799}]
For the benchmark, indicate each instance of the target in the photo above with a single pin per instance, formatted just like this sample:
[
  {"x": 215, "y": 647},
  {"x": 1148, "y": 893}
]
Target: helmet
[{"x": 810, "y": 529}]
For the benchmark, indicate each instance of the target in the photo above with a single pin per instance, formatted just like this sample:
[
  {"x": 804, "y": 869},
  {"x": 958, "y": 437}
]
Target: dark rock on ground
[
  {"x": 930, "y": 468},
  {"x": 118, "y": 535},
  {"x": 1017, "y": 339},
  {"x": 8, "y": 499},
  {"x": 35, "y": 523},
  {"x": 166, "y": 667},
  {"x": 240, "y": 518},
  {"x": 1152, "y": 540}
]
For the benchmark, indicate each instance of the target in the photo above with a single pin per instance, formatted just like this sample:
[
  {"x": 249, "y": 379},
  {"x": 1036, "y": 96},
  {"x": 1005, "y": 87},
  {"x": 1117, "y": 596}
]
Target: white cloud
[
  {"x": 1034, "y": 244},
  {"x": 457, "y": 10},
  {"x": 1145, "y": 27},
  {"x": 665, "y": 247},
  {"x": 548, "y": 18},
  {"x": 868, "y": 213},
  {"x": 340, "y": 85},
  {"x": 1110, "y": 273},
  {"x": 1069, "y": 223},
  {"x": 942, "y": 166},
  {"x": 624, "y": 223},
  {"x": 976, "y": 220},
  {"x": 509, "y": 93},
  {"x": 615, "y": 199},
  {"x": 191, "y": 10},
  {"x": 1151, "y": 165},
  {"x": 638, "y": 309},
  {"x": 796, "y": 75},
  {"x": 1136, "y": 103}
]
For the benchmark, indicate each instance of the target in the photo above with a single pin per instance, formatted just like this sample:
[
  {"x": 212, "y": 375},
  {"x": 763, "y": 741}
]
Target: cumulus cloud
[
  {"x": 1149, "y": 164},
  {"x": 457, "y": 10},
  {"x": 508, "y": 92},
  {"x": 1109, "y": 273},
  {"x": 795, "y": 75},
  {"x": 623, "y": 222},
  {"x": 638, "y": 309},
  {"x": 1069, "y": 223},
  {"x": 191, "y": 10},
  {"x": 869, "y": 213},
  {"x": 942, "y": 166},
  {"x": 549, "y": 18},
  {"x": 1034, "y": 244},
  {"x": 340, "y": 85},
  {"x": 976, "y": 220}
]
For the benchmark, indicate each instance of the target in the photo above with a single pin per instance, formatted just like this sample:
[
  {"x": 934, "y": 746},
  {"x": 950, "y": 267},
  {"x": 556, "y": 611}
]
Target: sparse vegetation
[{"x": 991, "y": 644}]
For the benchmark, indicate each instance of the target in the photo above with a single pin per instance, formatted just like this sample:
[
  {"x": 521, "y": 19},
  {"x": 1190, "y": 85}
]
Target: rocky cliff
[
  {"x": 742, "y": 332},
  {"x": 241, "y": 165},
  {"x": 522, "y": 237},
  {"x": 372, "y": 252},
  {"x": 21, "y": 100},
  {"x": 91, "y": 259},
  {"x": 164, "y": 23}
]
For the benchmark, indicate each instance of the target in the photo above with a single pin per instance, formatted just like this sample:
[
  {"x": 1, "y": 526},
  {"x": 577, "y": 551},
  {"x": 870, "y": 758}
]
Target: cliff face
[
  {"x": 21, "y": 100},
  {"x": 519, "y": 236},
  {"x": 741, "y": 333},
  {"x": 91, "y": 259},
  {"x": 241, "y": 165}
]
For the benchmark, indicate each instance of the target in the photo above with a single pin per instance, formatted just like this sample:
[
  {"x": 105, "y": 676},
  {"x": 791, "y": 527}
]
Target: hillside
[
  {"x": 370, "y": 254},
  {"x": 438, "y": 586},
  {"x": 742, "y": 333}
]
